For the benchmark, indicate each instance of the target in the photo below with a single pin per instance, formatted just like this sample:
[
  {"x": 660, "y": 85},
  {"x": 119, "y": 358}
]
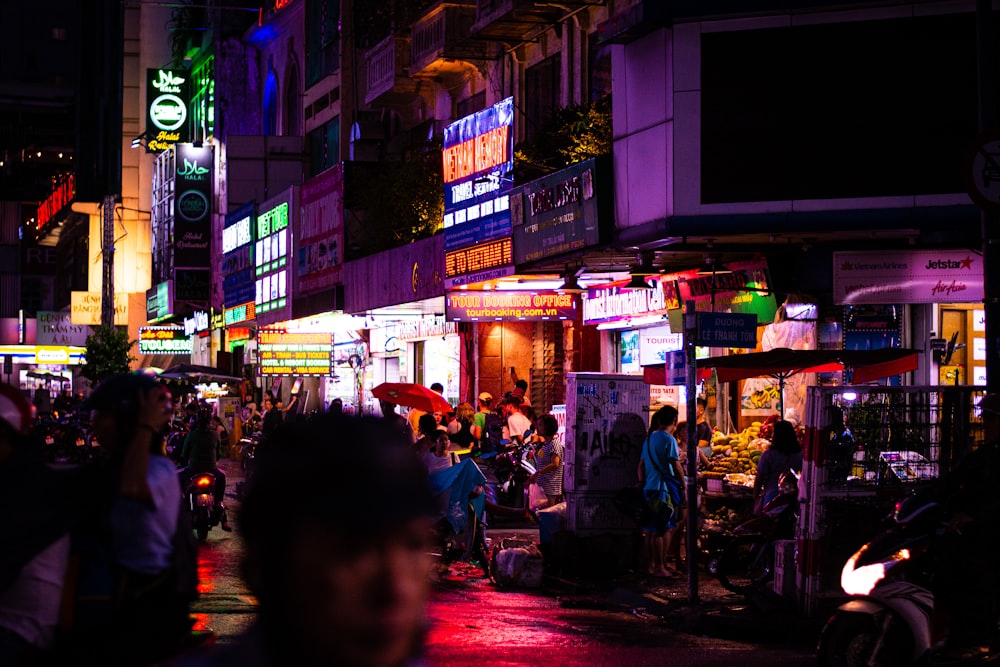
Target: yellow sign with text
[{"x": 85, "y": 308}]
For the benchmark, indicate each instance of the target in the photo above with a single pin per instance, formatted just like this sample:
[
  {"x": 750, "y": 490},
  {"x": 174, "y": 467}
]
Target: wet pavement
[{"x": 624, "y": 619}]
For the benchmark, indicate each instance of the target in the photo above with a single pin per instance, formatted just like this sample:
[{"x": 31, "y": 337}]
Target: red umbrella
[{"x": 412, "y": 396}]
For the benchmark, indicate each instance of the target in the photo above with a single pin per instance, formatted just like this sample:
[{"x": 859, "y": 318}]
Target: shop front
[{"x": 399, "y": 293}]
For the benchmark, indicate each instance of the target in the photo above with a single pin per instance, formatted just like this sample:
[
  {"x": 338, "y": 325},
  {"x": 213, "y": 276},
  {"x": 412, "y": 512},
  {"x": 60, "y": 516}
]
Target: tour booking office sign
[
  {"x": 166, "y": 109},
  {"x": 511, "y": 305}
]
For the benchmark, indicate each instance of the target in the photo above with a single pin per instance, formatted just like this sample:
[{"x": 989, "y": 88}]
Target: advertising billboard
[
  {"x": 321, "y": 232},
  {"x": 478, "y": 165},
  {"x": 237, "y": 254},
  {"x": 272, "y": 253},
  {"x": 513, "y": 305},
  {"x": 192, "y": 206},
  {"x": 285, "y": 353},
  {"x": 164, "y": 340}
]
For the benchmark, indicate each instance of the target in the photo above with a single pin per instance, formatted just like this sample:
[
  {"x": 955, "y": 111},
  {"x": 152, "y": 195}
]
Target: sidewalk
[{"x": 717, "y": 612}]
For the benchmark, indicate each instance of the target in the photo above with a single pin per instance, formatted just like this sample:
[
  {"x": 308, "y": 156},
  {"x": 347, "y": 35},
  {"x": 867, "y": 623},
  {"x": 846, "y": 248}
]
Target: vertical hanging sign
[
  {"x": 192, "y": 206},
  {"x": 166, "y": 109}
]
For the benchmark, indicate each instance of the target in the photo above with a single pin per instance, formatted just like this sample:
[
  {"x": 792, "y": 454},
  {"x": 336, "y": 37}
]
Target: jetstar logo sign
[{"x": 949, "y": 264}]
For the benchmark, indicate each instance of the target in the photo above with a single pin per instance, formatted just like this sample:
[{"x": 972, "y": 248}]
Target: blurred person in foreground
[{"x": 343, "y": 580}]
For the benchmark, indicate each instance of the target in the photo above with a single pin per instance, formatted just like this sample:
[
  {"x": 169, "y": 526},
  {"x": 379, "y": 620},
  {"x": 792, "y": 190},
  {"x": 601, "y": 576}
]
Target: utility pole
[
  {"x": 108, "y": 261},
  {"x": 988, "y": 112}
]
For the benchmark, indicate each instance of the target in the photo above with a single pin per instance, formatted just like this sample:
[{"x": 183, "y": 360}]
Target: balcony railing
[
  {"x": 387, "y": 65},
  {"x": 513, "y": 19},
  {"x": 440, "y": 42}
]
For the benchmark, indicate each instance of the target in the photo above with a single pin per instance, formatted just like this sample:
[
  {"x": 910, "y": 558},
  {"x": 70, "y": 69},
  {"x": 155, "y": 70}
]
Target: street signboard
[{"x": 727, "y": 330}]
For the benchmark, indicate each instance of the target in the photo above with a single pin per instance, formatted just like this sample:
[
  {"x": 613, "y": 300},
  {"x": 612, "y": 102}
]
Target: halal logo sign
[
  {"x": 192, "y": 205},
  {"x": 168, "y": 111}
]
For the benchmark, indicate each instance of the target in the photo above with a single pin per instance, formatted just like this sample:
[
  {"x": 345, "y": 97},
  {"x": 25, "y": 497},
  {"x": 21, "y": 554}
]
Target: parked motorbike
[
  {"x": 510, "y": 470},
  {"x": 200, "y": 494},
  {"x": 746, "y": 563},
  {"x": 888, "y": 620}
]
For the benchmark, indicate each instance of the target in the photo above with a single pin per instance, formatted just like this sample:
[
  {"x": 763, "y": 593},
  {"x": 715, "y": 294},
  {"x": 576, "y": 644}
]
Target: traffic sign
[{"x": 727, "y": 330}]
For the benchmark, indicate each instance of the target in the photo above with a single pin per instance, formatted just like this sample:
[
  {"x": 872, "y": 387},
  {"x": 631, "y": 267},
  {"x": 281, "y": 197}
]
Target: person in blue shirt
[{"x": 663, "y": 484}]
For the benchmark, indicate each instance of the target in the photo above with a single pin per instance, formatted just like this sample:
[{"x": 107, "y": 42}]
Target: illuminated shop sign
[
  {"x": 160, "y": 301},
  {"x": 241, "y": 313},
  {"x": 284, "y": 353},
  {"x": 196, "y": 324},
  {"x": 478, "y": 258},
  {"x": 271, "y": 258},
  {"x": 164, "y": 340},
  {"x": 513, "y": 305},
  {"x": 167, "y": 112},
  {"x": 478, "y": 163},
  {"x": 85, "y": 308},
  {"x": 237, "y": 259},
  {"x": 562, "y": 212},
  {"x": 744, "y": 288},
  {"x": 61, "y": 195},
  {"x": 192, "y": 206},
  {"x": 615, "y": 302}
]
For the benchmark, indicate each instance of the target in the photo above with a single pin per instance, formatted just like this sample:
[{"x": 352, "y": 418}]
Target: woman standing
[
  {"x": 462, "y": 430},
  {"x": 784, "y": 453},
  {"x": 663, "y": 483},
  {"x": 549, "y": 459}
]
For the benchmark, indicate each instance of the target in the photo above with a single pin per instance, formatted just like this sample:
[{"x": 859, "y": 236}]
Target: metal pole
[
  {"x": 988, "y": 112},
  {"x": 691, "y": 543},
  {"x": 108, "y": 256}
]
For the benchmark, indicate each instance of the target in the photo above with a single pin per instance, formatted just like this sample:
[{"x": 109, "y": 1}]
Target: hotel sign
[{"x": 167, "y": 109}]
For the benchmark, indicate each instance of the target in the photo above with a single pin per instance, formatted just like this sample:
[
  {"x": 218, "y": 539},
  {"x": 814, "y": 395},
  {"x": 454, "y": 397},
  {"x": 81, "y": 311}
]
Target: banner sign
[
  {"x": 568, "y": 210},
  {"x": 192, "y": 206},
  {"x": 284, "y": 353},
  {"x": 160, "y": 301},
  {"x": 655, "y": 343},
  {"x": 615, "y": 301},
  {"x": 237, "y": 254},
  {"x": 744, "y": 287},
  {"x": 57, "y": 328},
  {"x": 478, "y": 164},
  {"x": 483, "y": 257},
  {"x": 85, "y": 308},
  {"x": 164, "y": 340},
  {"x": 241, "y": 313},
  {"x": 167, "y": 110},
  {"x": 907, "y": 276},
  {"x": 511, "y": 305},
  {"x": 321, "y": 232},
  {"x": 271, "y": 258}
]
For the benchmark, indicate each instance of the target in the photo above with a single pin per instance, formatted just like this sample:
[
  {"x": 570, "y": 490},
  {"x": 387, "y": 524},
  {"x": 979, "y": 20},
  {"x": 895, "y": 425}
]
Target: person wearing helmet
[{"x": 198, "y": 453}]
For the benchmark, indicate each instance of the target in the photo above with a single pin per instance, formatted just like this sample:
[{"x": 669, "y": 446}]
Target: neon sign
[
  {"x": 164, "y": 340},
  {"x": 283, "y": 353}
]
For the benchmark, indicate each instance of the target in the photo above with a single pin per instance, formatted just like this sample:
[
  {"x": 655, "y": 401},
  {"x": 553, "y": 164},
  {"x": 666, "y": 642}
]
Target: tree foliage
[
  {"x": 396, "y": 202},
  {"x": 575, "y": 133},
  {"x": 108, "y": 352}
]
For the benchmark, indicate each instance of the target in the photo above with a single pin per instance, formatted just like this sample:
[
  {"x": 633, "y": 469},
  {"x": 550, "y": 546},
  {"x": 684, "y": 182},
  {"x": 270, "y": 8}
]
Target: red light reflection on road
[
  {"x": 209, "y": 568},
  {"x": 200, "y": 622}
]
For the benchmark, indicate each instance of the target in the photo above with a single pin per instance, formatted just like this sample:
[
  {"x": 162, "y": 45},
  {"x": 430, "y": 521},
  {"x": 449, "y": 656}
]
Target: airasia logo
[{"x": 192, "y": 205}]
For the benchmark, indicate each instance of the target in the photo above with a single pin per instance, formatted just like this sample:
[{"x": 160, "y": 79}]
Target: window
[
  {"x": 541, "y": 94},
  {"x": 292, "y": 120},
  {"x": 271, "y": 105},
  {"x": 322, "y": 39},
  {"x": 324, "y": 146}
]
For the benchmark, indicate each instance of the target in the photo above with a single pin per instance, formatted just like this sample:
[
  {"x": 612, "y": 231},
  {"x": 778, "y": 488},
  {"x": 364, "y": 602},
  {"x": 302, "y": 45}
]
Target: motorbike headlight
[{"x": 861, "y": 580}]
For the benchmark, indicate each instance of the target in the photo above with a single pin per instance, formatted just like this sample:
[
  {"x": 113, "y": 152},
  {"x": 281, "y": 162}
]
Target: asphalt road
[{"x": 472, "y": 622}]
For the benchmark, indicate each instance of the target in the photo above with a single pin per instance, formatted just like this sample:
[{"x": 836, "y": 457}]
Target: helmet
[
  {"x": 119, "y": 394},
  {"x": 15, "y": 409}
]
